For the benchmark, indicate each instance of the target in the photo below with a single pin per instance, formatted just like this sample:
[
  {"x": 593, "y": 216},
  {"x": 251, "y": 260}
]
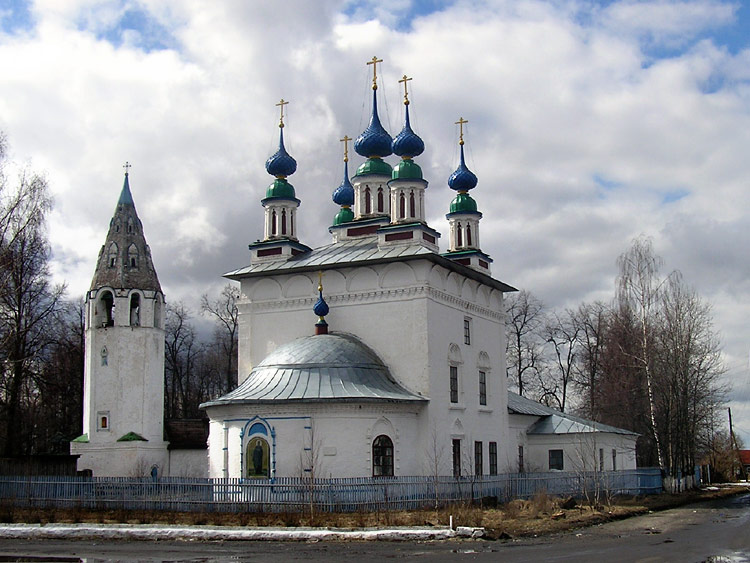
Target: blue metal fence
[{"x": 298, "y": 494}]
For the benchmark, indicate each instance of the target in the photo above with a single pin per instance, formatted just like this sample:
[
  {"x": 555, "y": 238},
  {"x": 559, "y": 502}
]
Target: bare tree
[
  {"x": 29, "y": 304},
  {"x": 181, "y": 359},
  {"x": 593, "y": 320},
  {"x": 561, "y": 333},
  {"x": 524, "y": 319},
  {"x": 638, "y": 290},
  {"x": 225, "y": 313}
]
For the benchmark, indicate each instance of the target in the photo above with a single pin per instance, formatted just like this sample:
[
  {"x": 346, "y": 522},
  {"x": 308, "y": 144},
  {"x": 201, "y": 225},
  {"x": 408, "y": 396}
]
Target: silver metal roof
[
  {"x": 556, "y": 422},
  {"x": 326, "y": 367},
  {"x": 358, "y": 251}
]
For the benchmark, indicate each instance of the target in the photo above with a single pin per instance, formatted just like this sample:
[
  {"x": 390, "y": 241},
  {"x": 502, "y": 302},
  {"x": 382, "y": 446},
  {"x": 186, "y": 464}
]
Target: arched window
[
  {"x": 105, "y": 355},
  {"x": 381, "y": 201},
  {"x": 402, "y": 207},
  {"x": 157, "y": 312},
  {"x": 135, "y": 310},
  {"x": 133, "y": 256},
  {"x": 283, "y": 222},
  {"x": 291, "y": 222},
  {"x": 368, "y": 202},
  {"x": 412, "y": 206},
  {"x": 459, "y": 236},
  {"x": 131, "y": 225},
  {"x": 382, "y": 457},
  {"x": 273, "y": 223},
  {"x": 257, "y": 458},
  {"x": 117, "y": 226},
  {"x": 468, "y": 235},
  {"x": 106, "y": 310},
  {"x": 112, "y": 255}
]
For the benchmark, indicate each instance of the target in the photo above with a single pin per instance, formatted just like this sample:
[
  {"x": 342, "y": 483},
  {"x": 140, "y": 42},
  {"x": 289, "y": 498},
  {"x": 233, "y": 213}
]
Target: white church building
[{"x": 375, "y": 355}]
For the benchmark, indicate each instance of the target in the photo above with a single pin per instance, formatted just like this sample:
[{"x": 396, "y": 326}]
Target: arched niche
[
  {"x": 299, "y": 286},
  {"x": 363, "y": 279},
  {"x": 265, "y": 289},
  {"x": 397, "y": 275}
]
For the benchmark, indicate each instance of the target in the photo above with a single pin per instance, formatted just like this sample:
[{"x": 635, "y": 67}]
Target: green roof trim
[
  {"x": 344, "y": 216},
  {"x": 407, "y": 169},
  {"x": 374, "y": 165},
  {"x": 132, "y": 437},
  {"x": 82, "y": 439},
  {"x": 463, "y": 203},
  {"x": 280, "y": 188}
]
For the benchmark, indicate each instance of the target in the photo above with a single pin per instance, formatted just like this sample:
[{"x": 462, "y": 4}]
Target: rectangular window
[
  {"x": 520, "y": 459},
  {"x": 454, "y": 384},
  {"x": 493, "y": 458},
  {"x": 478, "y": 461},
  {"x": 614, "y": 460},
  {"x": 456, "y": 458},
  {"x": 556, "y": 460},
  {"x": 467, "y": 331},
  {"x": 482, "y": 388},
  {"x": 601, "y": 459}
]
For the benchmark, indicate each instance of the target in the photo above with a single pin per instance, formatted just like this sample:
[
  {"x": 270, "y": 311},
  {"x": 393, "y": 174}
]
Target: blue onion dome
[
  {"x": 407, "y": 144},
  {"x": 463, "y": 179},
  {"x": 344, "y": 194},
  {"x": 375, "y": 140},
  {"x": 281, "y": 164},
  {"x": 321, "y": 307}
]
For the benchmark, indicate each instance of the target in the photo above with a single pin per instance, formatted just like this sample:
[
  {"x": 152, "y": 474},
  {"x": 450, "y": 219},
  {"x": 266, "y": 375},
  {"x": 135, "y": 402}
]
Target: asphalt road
[{"x": 718, "y": 531}]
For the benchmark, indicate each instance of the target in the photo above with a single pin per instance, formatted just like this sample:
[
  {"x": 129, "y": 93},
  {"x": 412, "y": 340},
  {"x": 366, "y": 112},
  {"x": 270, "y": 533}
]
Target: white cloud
[{"x": 580, "y": 137}]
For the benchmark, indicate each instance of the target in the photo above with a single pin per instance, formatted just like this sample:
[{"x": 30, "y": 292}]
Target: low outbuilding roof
[{"x": 555, "y": 422}]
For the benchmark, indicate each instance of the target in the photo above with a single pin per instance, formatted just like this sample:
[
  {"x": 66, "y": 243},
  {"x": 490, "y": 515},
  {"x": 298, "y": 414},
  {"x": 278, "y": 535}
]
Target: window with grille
[
  {"x": 382, "y": 457},
  {"x": 482, "y": 388},
  {"x": 467, "y": 331},
  {"x": 556, "y": 460},
  {"x": 493, "y": 458},
  {"x": 456, "y": 458},
  {"x": 478, "y": 461},
  {"x": 454, "y": 384}
]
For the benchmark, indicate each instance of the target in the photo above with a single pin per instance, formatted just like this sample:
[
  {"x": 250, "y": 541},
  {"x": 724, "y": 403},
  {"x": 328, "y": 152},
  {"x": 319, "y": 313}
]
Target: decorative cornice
[{"x": 374, "y": 296}]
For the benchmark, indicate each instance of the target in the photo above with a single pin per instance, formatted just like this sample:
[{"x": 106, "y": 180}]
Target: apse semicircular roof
[{"x": 327, "y": 367}]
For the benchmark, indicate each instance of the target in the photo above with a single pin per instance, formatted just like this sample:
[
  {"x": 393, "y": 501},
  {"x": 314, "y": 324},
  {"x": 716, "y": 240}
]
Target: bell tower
[{"x": 123, "y": 412}]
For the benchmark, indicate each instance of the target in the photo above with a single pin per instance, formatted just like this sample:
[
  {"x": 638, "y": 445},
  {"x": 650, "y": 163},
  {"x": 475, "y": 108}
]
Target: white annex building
[{"x": 375, "y": 355}]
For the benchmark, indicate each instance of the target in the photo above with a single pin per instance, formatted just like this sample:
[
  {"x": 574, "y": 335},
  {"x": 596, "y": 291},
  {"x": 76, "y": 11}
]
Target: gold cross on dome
[
  {"x": 346, "y": 140},
  {"x": 374, "y": 62},
  {"x": 320, "y": 281},
  {"x": 127, "y": 166},
  {"x": 281, "y": 105},
  {"x": 406, "y": 93},
  {"x": 460, "y": 124}
]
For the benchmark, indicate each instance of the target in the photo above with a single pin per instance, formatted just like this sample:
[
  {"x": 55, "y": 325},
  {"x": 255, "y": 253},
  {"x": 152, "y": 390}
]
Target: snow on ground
[{"x": 158, "y": 532}]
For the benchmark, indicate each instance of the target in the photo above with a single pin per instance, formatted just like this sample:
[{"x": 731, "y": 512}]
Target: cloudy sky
[{"x": 590, "y": 123}]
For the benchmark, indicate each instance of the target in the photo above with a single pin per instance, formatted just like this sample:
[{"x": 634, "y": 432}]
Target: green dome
[
  {"x": 343, "y": 216},
  {"x": 407, "y": 169},
  {"x": 463, "y": 203},
  {"x": 374, "y": 165},
  {"x": 281, "y": 189}
]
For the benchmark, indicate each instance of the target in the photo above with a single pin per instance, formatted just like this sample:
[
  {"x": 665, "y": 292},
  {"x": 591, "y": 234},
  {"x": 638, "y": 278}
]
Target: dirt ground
[{"x": 539, "y": 516}]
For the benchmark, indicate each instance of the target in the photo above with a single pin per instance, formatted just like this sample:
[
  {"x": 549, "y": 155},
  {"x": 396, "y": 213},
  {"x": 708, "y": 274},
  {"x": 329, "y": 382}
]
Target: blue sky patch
[
  {"x": 15, "y": 17},
  {"x": 404, "y": 18},
  {"x": 674, "y": 195},
  {"x": 145, "y": 32}
]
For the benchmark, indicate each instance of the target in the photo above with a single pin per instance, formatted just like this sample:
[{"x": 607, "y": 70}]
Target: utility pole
[{"x": 735, "y": 447}]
